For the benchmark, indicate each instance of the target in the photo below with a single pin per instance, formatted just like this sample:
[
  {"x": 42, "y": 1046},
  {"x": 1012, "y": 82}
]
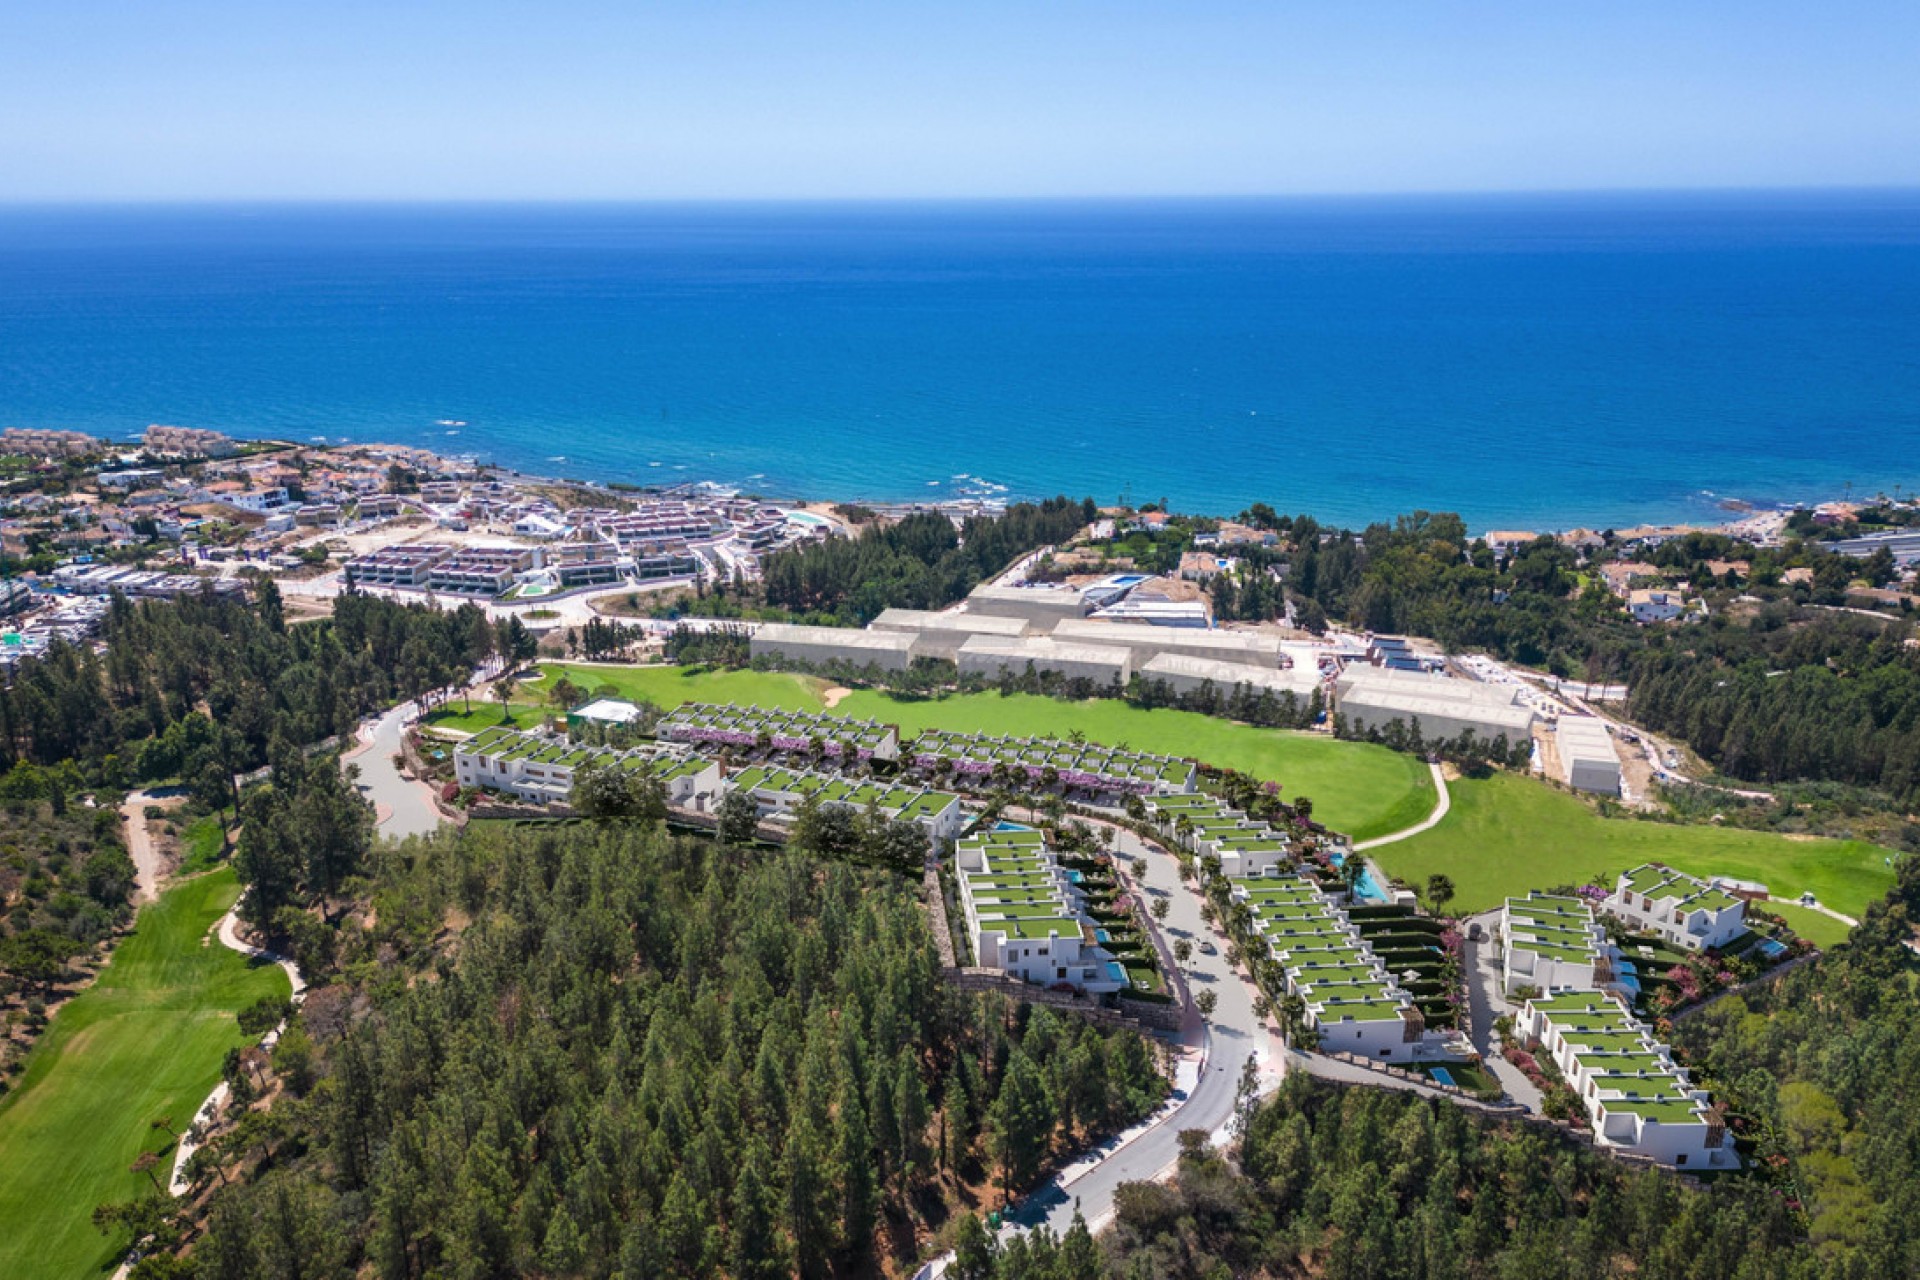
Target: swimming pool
[
  {"x": 1443, "y": 1076},
  {"x": 1773, "y": 948},
  {"x": 807, "y": 517},
  {"x": 1369, "y": 888},
  {"x": 1010, "y": 826}
]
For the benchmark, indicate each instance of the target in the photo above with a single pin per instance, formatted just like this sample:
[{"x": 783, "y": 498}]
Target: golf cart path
[{"x": 1428, "y": 823}]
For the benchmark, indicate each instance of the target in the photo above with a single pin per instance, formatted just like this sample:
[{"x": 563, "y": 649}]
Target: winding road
[{"x": 405, "y": 806}]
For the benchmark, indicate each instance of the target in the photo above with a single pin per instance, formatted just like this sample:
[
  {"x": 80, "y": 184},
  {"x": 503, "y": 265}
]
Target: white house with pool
[{"x": 1026, "y": 917}]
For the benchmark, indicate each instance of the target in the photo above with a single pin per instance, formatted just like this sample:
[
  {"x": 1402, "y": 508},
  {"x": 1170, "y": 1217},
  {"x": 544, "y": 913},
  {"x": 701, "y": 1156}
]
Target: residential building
[
  {"x": 1686, "y": 913},
  {"x": 1207, "y": 827},
  {"x": 1637, "y": 1098},
  {"x": 47, "y": 444},
  {"x": 1351, "y": 1001},
  {"x": 1655, "y": 604},
  {"x": 724, "y": 725},
  {"x": 1026, "y": 918},
  {"x": 972, "y": 759},
  {"x": 1553, "y": 943},
  {"x": 191, "y": 442},
  {"x": 1505, "y": 542},
  {"x": 780, "y": 792},
  {"x": 480, "y": 571},
  {"x": 541, "y": 768},
  {"x": 402, "y": 565}
]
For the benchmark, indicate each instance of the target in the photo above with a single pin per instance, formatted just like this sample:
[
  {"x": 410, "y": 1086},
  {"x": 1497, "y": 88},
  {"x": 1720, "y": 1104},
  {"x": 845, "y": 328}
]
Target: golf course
[
  {"x": 1507, "y": 834},
  {"x": 145, "y": 1041},
  {"x": 1359, "y": 789}
]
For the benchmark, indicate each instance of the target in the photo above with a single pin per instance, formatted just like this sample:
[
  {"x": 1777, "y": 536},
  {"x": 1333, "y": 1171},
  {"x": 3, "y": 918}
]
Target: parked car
[{"x": 1208, "y": 949}]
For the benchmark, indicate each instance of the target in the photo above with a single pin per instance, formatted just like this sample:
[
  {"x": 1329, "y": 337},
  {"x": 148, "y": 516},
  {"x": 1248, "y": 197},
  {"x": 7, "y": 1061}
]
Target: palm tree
[
  {"x": 1439, "y": 892},
  {"x": 1353, "y": 869}
]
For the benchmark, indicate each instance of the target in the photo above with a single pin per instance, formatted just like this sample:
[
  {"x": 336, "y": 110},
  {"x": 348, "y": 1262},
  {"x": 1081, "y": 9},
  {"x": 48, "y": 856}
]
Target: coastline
[{"x": 1736, "y": 516}]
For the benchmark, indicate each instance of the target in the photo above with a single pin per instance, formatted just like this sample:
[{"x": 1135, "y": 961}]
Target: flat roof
[
  {"x": 930, "y": 620},
  {"x": 778, "y": 633}
]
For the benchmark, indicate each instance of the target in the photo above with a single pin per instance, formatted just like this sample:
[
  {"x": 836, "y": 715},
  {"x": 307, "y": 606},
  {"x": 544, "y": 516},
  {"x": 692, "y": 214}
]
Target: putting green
[{"x": 145, "y": 1040}]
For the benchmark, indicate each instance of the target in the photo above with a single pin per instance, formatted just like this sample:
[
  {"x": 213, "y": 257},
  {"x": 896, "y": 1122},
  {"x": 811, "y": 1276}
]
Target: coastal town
[{"x": 1133, "y": 775}]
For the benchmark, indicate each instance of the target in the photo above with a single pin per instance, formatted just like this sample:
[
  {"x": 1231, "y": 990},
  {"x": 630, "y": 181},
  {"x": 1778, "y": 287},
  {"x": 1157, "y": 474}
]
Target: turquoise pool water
[
  {"x": 1442, "y": 1075},
  {"x": 1369, "y": 888}
]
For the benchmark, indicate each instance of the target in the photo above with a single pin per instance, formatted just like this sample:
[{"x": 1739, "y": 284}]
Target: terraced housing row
[
  {"x": 1026, "y": 915},
  {"x": 1580, "y": 986}
]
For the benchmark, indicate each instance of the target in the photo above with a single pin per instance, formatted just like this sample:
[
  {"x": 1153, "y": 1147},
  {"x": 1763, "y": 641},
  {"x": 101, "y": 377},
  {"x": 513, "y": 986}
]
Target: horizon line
[{"x": 1442, "y": 193}]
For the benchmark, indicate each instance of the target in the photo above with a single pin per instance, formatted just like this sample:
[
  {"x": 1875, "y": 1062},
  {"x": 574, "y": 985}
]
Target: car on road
[{"x": 1208, "y": 949}]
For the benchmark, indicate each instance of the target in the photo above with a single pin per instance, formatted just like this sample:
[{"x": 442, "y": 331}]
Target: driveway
[
  {"x": 1487, "y": 1002},
  {"x": 405, "y": 806}
]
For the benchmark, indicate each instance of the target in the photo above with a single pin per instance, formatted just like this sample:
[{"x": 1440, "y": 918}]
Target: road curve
[{"x": 1441, "y": 807}]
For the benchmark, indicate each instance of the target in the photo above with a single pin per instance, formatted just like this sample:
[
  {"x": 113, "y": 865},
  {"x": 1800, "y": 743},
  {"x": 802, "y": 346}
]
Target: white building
[
  {"x": 992, "y": 656},
  {"x": 1637, "y": 1098},
  {"x": 1588, "y": 761},
  {"x": 1372, "y": 698},
  {"x": 941, "y": 634},
  {"x": 821, "y": 646},
  {"x": 780, "y": 792},
  {"x": 1208, "y": 828},
  {"x": 1248, "y": 648},
  {"x": 1044, "y": 607},
  {"x": 1685, "y": 912},
  {"x": 1552, "y": 944},
  {"x": 1351, "y": 1000},
  {"x": 1026, "y": 918},
  {"x": 539, "y": 768},
  {"x": 1653, "y": 604},
  {"x": 1184, "y": 673}
]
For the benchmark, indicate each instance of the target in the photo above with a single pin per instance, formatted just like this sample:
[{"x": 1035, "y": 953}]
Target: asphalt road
[
  {"x": 407, "y": 805},
  {"x": 1232, "y": 1036}
]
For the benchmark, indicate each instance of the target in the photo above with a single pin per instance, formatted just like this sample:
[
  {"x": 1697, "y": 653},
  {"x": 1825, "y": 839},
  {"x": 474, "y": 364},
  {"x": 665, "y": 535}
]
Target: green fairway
[
  {"x": 1359, "y": 789},
  {"x": 1507, "y": 834},
  {"x": 146, "y": 1040},
  {"x": 1362, "y": 790}
]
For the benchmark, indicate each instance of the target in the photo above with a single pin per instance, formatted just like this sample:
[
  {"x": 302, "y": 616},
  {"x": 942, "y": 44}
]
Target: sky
[{"x": 118, "y": 100}]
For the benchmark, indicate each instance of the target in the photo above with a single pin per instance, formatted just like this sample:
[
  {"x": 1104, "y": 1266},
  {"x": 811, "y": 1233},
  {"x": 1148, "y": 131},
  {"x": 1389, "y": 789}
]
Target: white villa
[
  {"x": 1208, "y": 828},
  {"x": 1687, "y": 913},
  {"x": 1025, "y": 915},
  {"x": 1637, "y": 1098},
  {"x": 721, "y": 724},
  {"x": 1552, "y": 944},
  {"x": 779, "y": 792},
  {"x": 540, "y": 768}
]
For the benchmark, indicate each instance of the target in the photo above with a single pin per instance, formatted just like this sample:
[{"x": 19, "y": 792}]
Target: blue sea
[{"x": 1522, "y": 360}]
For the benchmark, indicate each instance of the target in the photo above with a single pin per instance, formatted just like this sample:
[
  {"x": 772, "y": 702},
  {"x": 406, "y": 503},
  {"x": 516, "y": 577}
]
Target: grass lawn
[
  {"x": 1820, "y": 930},
  {"x": 1362, "y": 790},
  {"x": 146, "y": 1040},
  {"x": 201, "y": 845},
  {"x": 1507, "y": 834}
]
